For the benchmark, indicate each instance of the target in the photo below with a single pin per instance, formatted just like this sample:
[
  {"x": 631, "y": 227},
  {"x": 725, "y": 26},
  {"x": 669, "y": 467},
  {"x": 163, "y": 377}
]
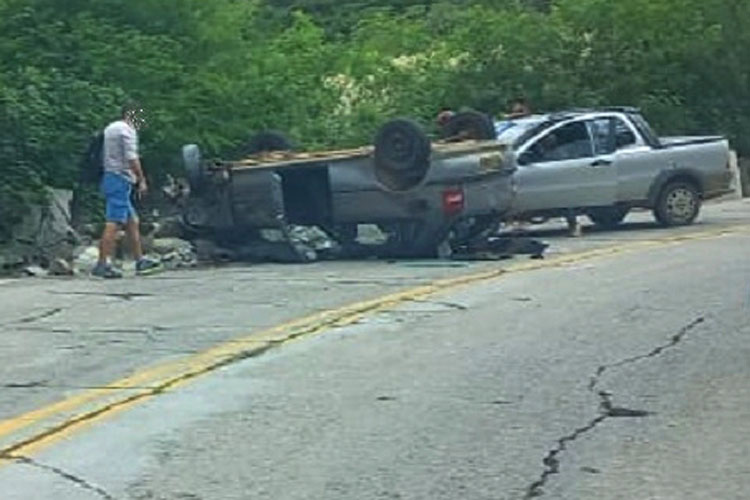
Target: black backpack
[{"x": 92, "y": 163}]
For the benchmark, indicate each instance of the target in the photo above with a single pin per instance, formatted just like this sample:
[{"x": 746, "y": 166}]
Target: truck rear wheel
[
  {"x": 678, "y": 204},
  {"x": 402, "y": 155},
  {"x": 266, "y": 142},
  {"x": 469, "y": 125}
]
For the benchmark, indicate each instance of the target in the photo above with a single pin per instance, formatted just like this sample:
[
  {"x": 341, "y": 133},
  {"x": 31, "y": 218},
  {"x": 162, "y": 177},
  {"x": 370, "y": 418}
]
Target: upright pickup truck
[
  {"x": 415, "y": 190},
  {"x": 603, "y": 163}
]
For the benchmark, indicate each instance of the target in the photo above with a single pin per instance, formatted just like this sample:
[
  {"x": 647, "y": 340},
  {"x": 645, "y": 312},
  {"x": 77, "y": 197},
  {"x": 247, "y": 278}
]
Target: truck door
[
  {"x": 569, "y": 166},
  {"x": 637, "y": 163}
]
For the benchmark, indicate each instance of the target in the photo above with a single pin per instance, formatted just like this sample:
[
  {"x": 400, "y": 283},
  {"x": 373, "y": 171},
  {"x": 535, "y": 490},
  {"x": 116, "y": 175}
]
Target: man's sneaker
[
  {"x": 147, "y": 266},
  {"x": 106, "y": 271}
]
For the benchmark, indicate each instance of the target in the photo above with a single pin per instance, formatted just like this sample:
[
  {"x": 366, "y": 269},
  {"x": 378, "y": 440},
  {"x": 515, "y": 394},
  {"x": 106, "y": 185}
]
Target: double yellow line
[{"x": 26, "y": 434}]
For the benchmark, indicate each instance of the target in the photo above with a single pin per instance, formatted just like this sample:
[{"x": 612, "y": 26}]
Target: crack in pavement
[
  {"x": 78, "y": 481},
  {"x": 26, "y": 385},
  {"x": 607, "y": 410},
  {"x": 676, "y": 339},
  {"x": 37, "y": 317},
  {"x": 126, "y": 296},
  {"x": 448, "y": 305}
]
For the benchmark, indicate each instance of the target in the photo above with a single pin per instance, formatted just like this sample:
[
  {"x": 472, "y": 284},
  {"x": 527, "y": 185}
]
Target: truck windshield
[{"x": 516, "y": 132}]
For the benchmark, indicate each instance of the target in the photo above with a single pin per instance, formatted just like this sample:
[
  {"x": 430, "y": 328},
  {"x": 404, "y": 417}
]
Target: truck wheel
[
  {"x": 191, "y": 160},
  {"x": 267, "y": 142},
  {"x": 469, "y": 125},
  {"x": 608, "y": 217},
  {"x": 678, "y": 204},
  {"x": 402, "y": 154}
]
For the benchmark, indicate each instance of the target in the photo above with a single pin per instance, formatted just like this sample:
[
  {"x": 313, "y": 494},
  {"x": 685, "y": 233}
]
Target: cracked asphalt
[{"x": 623, "y": 376}]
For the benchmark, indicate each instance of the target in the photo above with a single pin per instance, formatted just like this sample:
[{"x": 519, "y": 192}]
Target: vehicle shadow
[{"x": 591, "y": 230}]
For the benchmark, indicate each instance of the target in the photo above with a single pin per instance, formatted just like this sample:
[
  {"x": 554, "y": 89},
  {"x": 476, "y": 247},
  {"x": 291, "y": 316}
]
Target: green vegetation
[{"x": 330, "y": 71}]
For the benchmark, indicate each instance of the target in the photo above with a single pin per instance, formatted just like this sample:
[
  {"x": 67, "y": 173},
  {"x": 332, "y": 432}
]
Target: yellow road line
[{"x": 153, "y": 381}]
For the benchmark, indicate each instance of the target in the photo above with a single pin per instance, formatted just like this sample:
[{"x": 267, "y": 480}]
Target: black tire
[
  {"x": 267, "y": 142},
  {"x": 608, "y": 217},
  {"x": 194, "y": 168},
  {"x": 402, "y": 155},
  {"x": 678, "y": 205},
  {"x": 469, "y": 125}
]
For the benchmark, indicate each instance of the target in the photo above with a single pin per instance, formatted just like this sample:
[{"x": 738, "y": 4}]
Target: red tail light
[{"x": 453, "y": 201}]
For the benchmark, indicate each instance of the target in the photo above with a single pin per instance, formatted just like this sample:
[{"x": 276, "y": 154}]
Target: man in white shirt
[{"x": 122, "y": 173}]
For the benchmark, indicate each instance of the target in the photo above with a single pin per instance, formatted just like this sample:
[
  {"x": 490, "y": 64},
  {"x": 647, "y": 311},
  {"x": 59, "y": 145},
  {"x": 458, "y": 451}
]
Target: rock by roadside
[{"x": 43, "y": 237}]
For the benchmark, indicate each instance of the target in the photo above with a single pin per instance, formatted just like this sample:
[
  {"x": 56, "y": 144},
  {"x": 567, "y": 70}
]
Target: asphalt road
[{"x": 617, "y": 368}]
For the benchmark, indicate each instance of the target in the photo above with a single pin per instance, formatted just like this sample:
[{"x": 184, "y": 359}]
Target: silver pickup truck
[{"x": 604, "y": 163}]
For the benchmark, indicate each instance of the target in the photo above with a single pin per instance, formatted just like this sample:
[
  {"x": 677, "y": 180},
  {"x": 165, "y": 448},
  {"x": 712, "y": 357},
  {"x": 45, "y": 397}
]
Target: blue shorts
[{"x": 117, "y": 191}]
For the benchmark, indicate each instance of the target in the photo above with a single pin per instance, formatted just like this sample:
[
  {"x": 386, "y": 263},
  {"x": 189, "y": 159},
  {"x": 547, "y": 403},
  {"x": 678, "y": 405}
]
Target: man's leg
[
  {"x": 108, "y": 242},
  {"x": 574, "y": 226},
  {"x": 134, "y": 236},
  {"x": 143, "y": 265},
  {"x": 116, "y": 216}
]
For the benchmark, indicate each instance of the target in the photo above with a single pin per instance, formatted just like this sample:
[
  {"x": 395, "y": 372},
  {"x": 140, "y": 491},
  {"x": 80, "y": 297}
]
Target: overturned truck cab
[{"x": 419, "y": 193}]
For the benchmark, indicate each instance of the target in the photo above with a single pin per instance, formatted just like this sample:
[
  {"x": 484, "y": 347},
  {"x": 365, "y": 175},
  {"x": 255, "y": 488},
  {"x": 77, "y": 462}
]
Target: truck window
[
  {"x": 601, "y": 134},
  {"x": 624, "y": 136},
  {"x": 569, "y": 142},
  {"x": 645, "y": 130}
]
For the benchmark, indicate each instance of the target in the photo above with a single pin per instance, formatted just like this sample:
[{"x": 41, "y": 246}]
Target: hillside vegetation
[{"x": 329, "y": 71}]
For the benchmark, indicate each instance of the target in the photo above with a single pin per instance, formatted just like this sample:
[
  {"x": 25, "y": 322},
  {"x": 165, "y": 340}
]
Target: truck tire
[
  {"x": 678, "y": 205},
  {"x": 267, "y": 142},
  {"x": 469, "y": 125},
  {"x": 608, "y": 217},
  {"x": 194, "y": 169},
  {"x": 402, "y": 155}
]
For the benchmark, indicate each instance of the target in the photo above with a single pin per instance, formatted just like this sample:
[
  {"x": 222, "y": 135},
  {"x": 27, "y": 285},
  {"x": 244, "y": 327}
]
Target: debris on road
[
  {"x": 175, "y": 253},
  {"x": 35, "y": 271},
  {"x": 164, "y": 246},
  {"x": 500, "y": 247},
  {"x": 61, "y": 267},
  {"x": 85, "y": 259}
]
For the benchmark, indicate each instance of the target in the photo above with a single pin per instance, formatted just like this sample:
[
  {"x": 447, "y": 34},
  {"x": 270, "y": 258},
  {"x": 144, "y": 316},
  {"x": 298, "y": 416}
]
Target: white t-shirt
[{"x": 120, "y": 148}]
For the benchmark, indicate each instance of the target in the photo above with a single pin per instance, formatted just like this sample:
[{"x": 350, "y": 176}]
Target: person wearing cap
[{"x": 123, "y": 175}]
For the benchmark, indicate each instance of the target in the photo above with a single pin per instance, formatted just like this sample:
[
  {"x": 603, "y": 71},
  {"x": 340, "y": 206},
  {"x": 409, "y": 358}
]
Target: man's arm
[
  {"x": 140, "y": 178},
  {"x": 131, "y": 154}
]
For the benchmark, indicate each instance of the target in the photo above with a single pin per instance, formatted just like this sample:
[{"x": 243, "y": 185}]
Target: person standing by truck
[{"x": 123, "y": 175}]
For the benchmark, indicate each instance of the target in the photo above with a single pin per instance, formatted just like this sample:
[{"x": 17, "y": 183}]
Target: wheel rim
[
  {"x": 401, "y": 151},
  {"x": 681, "y": 204}
]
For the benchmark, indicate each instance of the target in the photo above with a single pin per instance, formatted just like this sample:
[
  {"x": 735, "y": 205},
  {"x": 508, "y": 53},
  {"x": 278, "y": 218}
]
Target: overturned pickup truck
[{"x": 417, "y": 192}]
